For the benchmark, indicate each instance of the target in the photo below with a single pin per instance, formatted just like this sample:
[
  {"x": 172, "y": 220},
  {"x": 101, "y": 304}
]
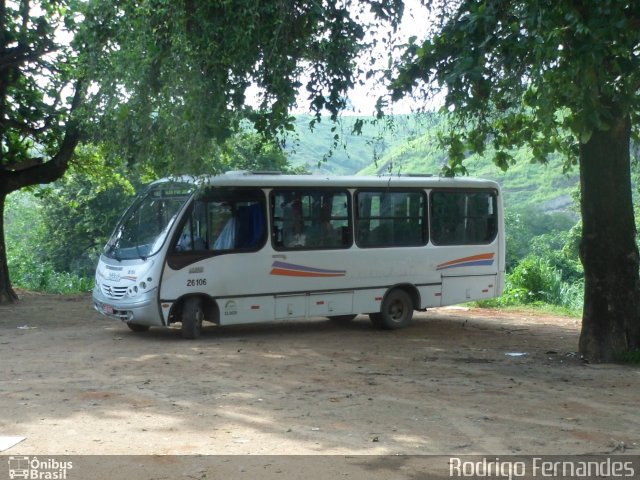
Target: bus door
[{"x": 464, "y": 224}]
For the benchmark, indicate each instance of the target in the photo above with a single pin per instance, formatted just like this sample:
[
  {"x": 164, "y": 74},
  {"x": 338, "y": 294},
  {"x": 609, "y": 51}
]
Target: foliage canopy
[
  {"x": 174, "y": 77},
  {"x": 543, "y": 74}
]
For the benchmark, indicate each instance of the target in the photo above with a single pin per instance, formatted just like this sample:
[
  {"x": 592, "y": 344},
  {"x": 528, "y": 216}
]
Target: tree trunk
[
  {"x": 7, "y": 295},
  {"x": 611, "y": 320}
]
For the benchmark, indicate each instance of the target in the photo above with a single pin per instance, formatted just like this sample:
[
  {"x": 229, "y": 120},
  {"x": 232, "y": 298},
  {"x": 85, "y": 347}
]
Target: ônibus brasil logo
[{"x": 34, "y": 468}]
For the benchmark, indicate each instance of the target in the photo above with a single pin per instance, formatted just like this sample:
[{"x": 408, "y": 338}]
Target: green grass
[{"x": 536, "y": 308}]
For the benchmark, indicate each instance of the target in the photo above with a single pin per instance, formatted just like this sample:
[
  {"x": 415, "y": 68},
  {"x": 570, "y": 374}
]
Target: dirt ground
[{"x": 457, "y": 381}]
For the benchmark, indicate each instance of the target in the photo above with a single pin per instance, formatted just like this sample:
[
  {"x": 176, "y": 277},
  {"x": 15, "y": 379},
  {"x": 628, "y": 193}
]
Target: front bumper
[{"x": 143, "y": 310}]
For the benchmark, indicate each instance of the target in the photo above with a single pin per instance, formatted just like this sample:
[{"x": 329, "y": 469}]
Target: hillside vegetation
[
  {"x": 338, "y": 150},
  {"x": 408, "y": 144}
]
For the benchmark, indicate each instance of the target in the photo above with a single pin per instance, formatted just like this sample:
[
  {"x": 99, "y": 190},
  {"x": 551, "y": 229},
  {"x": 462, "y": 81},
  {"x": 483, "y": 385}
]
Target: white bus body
[{"x": 245, "y": 248}]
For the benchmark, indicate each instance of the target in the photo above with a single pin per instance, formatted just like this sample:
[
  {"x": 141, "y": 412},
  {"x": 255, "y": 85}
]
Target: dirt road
[{"x": 455, "y": 382}]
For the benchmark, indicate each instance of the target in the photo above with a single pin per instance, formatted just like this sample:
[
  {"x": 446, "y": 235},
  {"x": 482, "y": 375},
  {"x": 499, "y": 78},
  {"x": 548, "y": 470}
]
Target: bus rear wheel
[
  {"x": 192, "y": 317},
  {"x": 396, "y": 311}
]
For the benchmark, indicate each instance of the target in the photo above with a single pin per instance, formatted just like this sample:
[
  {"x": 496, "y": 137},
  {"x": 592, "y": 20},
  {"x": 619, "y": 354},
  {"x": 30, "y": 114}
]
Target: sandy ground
[{"x": 456, "y": 382}]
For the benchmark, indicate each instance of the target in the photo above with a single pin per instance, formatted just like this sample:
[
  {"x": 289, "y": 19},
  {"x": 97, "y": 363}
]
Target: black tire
[
  {"x": 136, "y": 327},
  {"x": 342, "y": 318},
  {"x": 396, "y": 311},
  {"x": 192, "y": 317}
]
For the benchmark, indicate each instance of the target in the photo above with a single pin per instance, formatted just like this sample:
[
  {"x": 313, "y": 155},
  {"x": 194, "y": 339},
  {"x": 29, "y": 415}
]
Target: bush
[
  {"x": 30, "y": 274},
  {"x": 30, "y": 266},
  {"x": 572, "y": 296},
  {"x": 536, "y": 281},
  {"x": 632, "y": 357}
]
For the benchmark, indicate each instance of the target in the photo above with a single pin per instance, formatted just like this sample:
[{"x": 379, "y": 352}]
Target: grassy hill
[
  {"x": 314, "y": 148},
  {"x": 409, "y": 145}
]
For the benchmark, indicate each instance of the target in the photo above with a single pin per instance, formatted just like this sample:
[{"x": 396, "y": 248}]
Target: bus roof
[{"x": 266, "y": 180}]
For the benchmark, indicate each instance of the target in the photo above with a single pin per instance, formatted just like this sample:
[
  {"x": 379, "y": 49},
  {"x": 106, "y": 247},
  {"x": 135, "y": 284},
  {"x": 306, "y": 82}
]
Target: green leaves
[
  {"x": 177, "y": 78},
  {"x": 37, "y": 69},
  {"x": 525, "y": 73}
]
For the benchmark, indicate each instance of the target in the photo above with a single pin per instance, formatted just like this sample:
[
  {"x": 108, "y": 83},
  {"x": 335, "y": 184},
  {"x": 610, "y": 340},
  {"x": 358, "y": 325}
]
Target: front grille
[{"x": 111, "y": 291}]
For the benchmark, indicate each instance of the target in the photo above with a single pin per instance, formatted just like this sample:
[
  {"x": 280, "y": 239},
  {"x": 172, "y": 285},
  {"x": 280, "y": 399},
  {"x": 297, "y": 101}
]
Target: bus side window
[
  {"x": 243, "y": 229},
  {"x": 288, "y": 220},
  {"x": 310, "y": 218},
  {"x": 329, "y": 221},
  {"x": 223, "y": 220},
  {"x": 463, "y": 218},
  {"x": 388, "y": 218}
]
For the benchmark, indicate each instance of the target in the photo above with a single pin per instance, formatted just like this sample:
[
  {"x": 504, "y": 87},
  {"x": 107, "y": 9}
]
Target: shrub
[
  {"x": 30, "y": 274},
  {"x": 536, "y": 280}
]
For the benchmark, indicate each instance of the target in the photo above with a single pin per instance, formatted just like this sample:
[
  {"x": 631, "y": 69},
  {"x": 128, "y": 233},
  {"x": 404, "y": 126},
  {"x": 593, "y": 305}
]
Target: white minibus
[{"x": 243, "y": 247}]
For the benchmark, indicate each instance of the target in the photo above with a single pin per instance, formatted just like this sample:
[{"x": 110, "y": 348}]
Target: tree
[
  {"x": 248, "y": 151},
  {"x": 556, "y": 76},
  {"x": 80, "y": 210},
  {"x": 39, "y": 97}
]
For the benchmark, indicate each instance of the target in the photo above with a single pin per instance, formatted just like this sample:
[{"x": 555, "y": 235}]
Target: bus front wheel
[
  {"x": 192, "y": 317},
  {"x": 396, "y": 311}
]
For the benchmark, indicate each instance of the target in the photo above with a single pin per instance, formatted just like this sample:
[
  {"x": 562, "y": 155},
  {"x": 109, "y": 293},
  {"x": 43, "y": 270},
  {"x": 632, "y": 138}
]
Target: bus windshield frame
[{"x": 142, "y": 230}]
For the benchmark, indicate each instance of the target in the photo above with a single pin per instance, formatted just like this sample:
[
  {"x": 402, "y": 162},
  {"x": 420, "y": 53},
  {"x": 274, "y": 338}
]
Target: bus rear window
[{"x": 463, "y": 218}]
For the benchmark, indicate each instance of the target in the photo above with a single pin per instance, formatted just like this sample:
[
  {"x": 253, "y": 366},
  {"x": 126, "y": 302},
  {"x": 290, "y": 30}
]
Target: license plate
[{"x": 107, "y": 309}]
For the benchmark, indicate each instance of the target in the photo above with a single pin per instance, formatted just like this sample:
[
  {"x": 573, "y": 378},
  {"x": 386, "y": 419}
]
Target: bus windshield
[{"x": 143, "y": 228}]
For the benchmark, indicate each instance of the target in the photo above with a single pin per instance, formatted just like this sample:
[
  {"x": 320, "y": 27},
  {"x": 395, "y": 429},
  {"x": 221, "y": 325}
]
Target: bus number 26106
[{"x": 196, "y": 282}]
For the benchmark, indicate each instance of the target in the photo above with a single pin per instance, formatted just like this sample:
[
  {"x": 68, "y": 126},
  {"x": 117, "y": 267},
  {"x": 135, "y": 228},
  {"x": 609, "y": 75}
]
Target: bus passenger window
[
  {"x": 388, "y": 218},
  {"x": 463, "y": 218},
  {"x": 244, "y": 226},
  {"x": 310, "y": 219}
]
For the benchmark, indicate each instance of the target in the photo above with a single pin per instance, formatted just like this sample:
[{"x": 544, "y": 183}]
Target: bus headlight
[{"x": 135, "y": 290}]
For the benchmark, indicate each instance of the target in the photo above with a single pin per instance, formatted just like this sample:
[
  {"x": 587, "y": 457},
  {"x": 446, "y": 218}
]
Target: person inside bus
[
  {"x": 293, "y": 228},
  {"x": 189, "y": 239},
  {"x": 322, "y": 233},
  {"x": 187, "y": 243},
  {"x": 226, "y": 239}
]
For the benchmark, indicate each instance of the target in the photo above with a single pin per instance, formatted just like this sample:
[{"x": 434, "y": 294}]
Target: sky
[{"x": 363, "y": 98}]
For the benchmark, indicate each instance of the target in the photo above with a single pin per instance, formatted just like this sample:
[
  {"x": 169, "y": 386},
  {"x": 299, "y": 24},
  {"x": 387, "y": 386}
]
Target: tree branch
[
  {"x": 53, "y": 169},
  {"x": 21, "y": 55}
]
